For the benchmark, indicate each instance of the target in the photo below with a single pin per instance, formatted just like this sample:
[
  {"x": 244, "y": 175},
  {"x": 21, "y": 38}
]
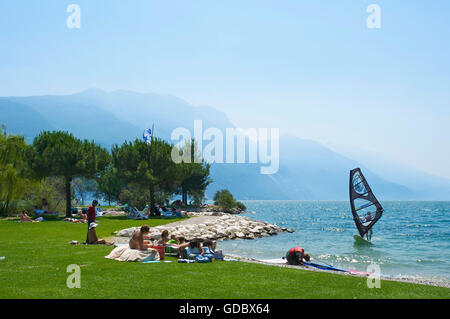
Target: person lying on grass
[
  {"x": 74, "y": 220},
  {"x": 92, "y": 236},
  {"x": 140, "y": 239}
]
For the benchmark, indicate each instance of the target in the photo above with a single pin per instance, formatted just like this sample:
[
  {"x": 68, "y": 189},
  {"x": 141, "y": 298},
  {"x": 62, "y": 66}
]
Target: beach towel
[
  {"x": 187, "y": 261},
  {"x": 125, "y": 253}
]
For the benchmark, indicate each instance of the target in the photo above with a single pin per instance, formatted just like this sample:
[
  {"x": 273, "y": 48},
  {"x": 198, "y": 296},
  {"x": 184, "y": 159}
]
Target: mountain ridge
[{"x": 308, "y": 169}]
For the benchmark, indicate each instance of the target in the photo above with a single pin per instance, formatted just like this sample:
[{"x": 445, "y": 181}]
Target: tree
[
  {"x": 147, "y": 165},
  {"x": 193, "y": 174},
  {"x": 13, "y": 170},
  {"x": 225, "y": 199},
  {"x": 59, "y": 153},
  {"x": 109, "y": 185}
]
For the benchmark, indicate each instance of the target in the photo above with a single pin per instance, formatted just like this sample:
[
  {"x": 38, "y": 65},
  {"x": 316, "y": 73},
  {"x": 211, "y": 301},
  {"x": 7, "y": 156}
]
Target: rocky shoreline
[{"x": 210, "y": 225}]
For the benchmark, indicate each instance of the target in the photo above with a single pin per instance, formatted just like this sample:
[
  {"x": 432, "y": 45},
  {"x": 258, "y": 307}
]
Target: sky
[{"x": 311, "y": 68}]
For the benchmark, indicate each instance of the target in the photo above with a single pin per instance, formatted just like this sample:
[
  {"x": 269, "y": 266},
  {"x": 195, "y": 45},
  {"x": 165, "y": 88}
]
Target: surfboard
[{"x": 361, "y": 241}]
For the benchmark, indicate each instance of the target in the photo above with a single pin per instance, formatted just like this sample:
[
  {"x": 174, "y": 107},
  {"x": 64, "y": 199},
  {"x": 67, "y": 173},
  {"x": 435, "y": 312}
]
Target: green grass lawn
[{"x": 37, "y": 256}]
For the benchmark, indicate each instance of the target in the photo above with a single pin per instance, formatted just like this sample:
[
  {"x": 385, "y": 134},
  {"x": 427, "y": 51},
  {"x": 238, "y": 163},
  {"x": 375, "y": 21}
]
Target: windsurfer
[{"x": 367, "y": 219}]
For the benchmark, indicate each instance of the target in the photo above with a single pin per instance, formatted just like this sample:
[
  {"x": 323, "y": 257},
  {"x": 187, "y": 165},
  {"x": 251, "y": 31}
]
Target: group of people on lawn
[{"x": 142, "y": 241}]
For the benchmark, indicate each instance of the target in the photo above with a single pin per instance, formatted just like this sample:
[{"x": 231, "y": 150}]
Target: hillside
[{"x": 308, "y": 170}]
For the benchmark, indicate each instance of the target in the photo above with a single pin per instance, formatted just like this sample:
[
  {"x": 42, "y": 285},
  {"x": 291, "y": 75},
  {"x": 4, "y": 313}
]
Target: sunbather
[
  {"x": 196, "y": 247},
  {"x": 25, "y": 218},
  {"x": 173, "y": 240},
  {"x": 92, "y": 236},
  {"x": 209, "y": 246},
  {"x": 147, "y": 211},
  {"x": 182, "y": 244},
  {"x": 139, "y": 238},
  {"x": 164, "y": 237}
]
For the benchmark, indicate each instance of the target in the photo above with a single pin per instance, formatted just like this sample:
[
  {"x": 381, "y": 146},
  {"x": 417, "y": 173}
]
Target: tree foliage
[
  {"x": 225, "y": 200},
  {"x": 193, "y": 174},
  {"x": 59, "y": 153},
  {"x": 148, "y": 166}
]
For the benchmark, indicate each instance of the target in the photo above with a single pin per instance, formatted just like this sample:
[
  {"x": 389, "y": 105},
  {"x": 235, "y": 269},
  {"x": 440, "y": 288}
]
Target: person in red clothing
[
  {"x": 295, "y": 256},
  {"x": 91, "y": 214}
]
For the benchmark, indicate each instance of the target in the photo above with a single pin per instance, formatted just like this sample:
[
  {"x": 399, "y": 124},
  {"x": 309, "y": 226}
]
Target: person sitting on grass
[
  {"x": 295, "y": 256},
  {"x": 92, "y": 236},
  {"x": 196, "y": 247},
  {"x": 140, "y": 238},
  {"x": 25, "y": 218},
  {"x": 173, "y": 240},
  {"x": 164, "y": 238},
  {"x": 209, "y": 246},
  {"x": 147, "y": 211}
]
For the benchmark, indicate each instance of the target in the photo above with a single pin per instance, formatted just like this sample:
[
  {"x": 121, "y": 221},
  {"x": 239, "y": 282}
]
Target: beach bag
[{"x": 161, "y": 250}]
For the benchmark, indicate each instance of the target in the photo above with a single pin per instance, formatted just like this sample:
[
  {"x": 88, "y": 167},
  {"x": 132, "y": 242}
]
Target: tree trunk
[
  {"x": 68, "y": 198},
  {"x": 184, "y": 196},
  {"x": 152, "y": 199}
]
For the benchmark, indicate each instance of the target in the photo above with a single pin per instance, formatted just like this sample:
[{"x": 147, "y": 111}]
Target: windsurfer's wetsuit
[{"x": 295, "y": 256}]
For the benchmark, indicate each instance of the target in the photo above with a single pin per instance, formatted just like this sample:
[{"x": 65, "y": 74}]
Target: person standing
[{"x": 91, "y": 214}]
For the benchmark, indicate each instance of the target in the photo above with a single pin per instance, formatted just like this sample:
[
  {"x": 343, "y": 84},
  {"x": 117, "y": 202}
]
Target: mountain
[
  {"x": 308, "y": 170},
  {"x": 422, "y": 184},
  {"x": 76, "y": 113}
]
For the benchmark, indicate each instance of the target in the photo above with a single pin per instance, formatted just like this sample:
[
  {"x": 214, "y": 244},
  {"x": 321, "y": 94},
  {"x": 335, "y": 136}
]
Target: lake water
[{"x": 412, "y": 238}]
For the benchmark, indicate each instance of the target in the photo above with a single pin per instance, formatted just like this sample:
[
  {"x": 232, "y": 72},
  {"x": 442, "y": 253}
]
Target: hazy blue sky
[{"x": 312, "y": 68}]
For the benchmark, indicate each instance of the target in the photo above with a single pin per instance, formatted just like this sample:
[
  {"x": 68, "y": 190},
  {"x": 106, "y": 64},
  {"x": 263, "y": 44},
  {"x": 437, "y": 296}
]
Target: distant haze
[
  {"x": 307, "y": 169},
  {"x": 311, "y": 68}
]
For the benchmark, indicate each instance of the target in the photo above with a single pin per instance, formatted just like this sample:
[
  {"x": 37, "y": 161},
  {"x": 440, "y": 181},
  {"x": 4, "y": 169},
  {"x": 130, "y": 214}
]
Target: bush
[
  {"x": 241, "y": 206},
  {"x": 225, "y": 200}
]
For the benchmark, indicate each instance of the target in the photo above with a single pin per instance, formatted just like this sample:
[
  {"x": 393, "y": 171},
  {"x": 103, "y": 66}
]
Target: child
[{"x": 173, "y": 240}]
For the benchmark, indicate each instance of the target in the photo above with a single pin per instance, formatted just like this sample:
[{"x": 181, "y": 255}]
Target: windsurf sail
[{"x": 366, "y": 209}]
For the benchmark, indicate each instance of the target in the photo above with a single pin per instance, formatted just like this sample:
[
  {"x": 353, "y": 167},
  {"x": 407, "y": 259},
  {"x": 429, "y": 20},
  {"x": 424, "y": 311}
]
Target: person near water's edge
[
  {"x": 295, "y": 256},
  {"x": 91, "y": 214}
]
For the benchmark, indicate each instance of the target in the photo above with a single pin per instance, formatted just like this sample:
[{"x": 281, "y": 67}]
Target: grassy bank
[{"x": 37, "y": 255}]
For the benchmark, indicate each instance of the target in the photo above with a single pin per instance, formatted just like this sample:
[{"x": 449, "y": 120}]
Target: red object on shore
[{"x": 161, "y": 250}]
